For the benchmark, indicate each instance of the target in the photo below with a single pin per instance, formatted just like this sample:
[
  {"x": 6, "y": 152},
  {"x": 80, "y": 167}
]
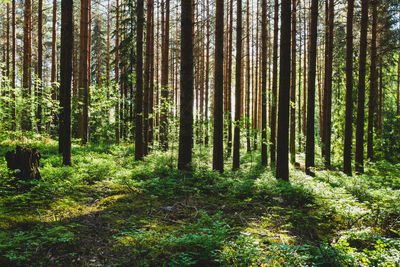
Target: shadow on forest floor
[{"x": 109, "y": 210}]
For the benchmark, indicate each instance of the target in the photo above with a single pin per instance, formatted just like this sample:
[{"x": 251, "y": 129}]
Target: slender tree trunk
[
  {"x": 327, "y": 97},
  {"x": 381, "y": 98},
  {"x": 373, "y": 83},
  {"x": 282, "y": 163},
  {"x": 151, "y": 88},
  {"x": 148, "y": 83},
  {"x": 398, "y": 93},
  {"x": 26, "y": 124},
  {"x": 305, "y": 58},
  {"x": 348, "y": 135},
  {"x": 108, "y": 45},
  {"x": 67, "y": 44},
  {"x": 89, "y": 45},
  {"x": 293, "y": 88},
  {"x": 54, "y": 55},
  {"x": 310, "y": 142},
  {"x": 248, "y": 79},
  {"x": 164, "y": 81},
  {"x": 8, "y": 40},
  {"x": 157, "y": 101},
  {"x": 83, "y": 71},
  {"x": 208, "y": 74},
  {"x": 218, "y": 147},
  {"x": 40, "y": 66},
  {"x": 361, "y": 88},
  {"x": 229, "y": 78},
  {"x": 186, "y": 112},
  {"x": 117, "y": 85},
  {"x": 13, "y": 63},
  {"x": 256, "y": 88},
  {"x": 264, "y": 156},
  {"x": 238, "y": 89},
  {"x": 139, "y": 82},
  {"x": 274, "y": 84}
]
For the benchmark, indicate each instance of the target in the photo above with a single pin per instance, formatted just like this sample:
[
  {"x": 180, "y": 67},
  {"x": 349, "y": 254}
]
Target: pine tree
[
  {"x": 218, "y": 156},
  {"x": 67, "y": 44},
  {"x": 186, "y": 107}
]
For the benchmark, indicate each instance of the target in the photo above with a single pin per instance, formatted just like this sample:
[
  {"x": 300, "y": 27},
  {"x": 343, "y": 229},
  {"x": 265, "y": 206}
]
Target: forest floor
[{"x": 109, "y": 210}]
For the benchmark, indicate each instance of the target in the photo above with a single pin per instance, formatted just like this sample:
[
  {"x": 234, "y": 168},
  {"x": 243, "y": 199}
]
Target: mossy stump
[{"x": 26, "y": 160}]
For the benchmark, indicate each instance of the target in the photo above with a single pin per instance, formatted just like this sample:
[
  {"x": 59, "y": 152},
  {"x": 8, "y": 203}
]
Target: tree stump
[{"x": 27, "y": 161}]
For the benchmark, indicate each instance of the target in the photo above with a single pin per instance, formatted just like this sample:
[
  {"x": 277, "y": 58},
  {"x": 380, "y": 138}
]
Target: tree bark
[
  {"x": 282, "y": 163},
  {"x": 117, "y": 111},
  {"x": 310, "y": 140},
  {"x": 361, "y": 89},
  {"x": 164, "y": 81},
  {"x": 139, "y": 83},
  {"x": 53, "y": 78},
  {"x": 218, "y": 153},
  {"x": 248, "y": 79},
  {"x": 207, "y": 81},
  {"x": 373, "y": 84},
  {"x": 26, "y": 124},
  {"x": 186, "y": 107},
  {"x": 264, "y": 156},
  {"x": 327, "y": 96},
  {"x": 293, "y": 88},
  {"x": 348, "y": 135},
  {"x": 67, "y": 44},
  {"x": 238, "y": 88},
  {"x": 83, "y": 72},
  {"x": 13, "y": 63},
  {"x": 148, "y": 83},
  {"x": 274, "y": 84},
  {"x": 40, "y": 66}
]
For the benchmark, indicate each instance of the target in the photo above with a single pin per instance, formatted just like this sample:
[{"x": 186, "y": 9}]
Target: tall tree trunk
[
  {"x": 13, "y": 63},
  {"x": 264, "y": 156},
  {"x": 83, "y": 71},
  {"x": 238, "y": 88},
  {"x": 380, "y": 99},
  {"x": 67, "y": 44},
  {"x": 229, "y": 78},
  {"x": 293, "y": 88},
  {"x": 139, "y": 82},
  {"x": 54, "y": 55},
  {"x": 117, "y": 85},
  {"x": 207, "y": 81},
  {"x": 348, "y": 135},
  {"x": 248, "y": 79},
  {"x": 108, "y": 45},
  {"x": 282, "y": 163},
  {"x": 164, "y": 81},
  {"x": 398, "y": 93},
  {"x": 26, "y": 124},
  {"x": 361, "y": 88},
  {"x": 8, "y": 40},
  {"x": 373, "y": 83},
  {"x": 39, "y": 67},
  {"x": 305, "y": 58},
  {"x": 148, "y": 83},
  {"x": 310, "y": 140},
  {"x": 186, "y": 107},
  {"x": 327, "y": 96},
  {"x": 256, "y": 88},
  {"x": 274, "y": 84},
  {"x": 151, "y": 88},
  {"x": 218, "y": 153}
]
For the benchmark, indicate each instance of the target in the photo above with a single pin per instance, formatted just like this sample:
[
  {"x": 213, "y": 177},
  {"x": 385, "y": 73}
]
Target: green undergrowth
[{"x": 109, "y": 210}]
